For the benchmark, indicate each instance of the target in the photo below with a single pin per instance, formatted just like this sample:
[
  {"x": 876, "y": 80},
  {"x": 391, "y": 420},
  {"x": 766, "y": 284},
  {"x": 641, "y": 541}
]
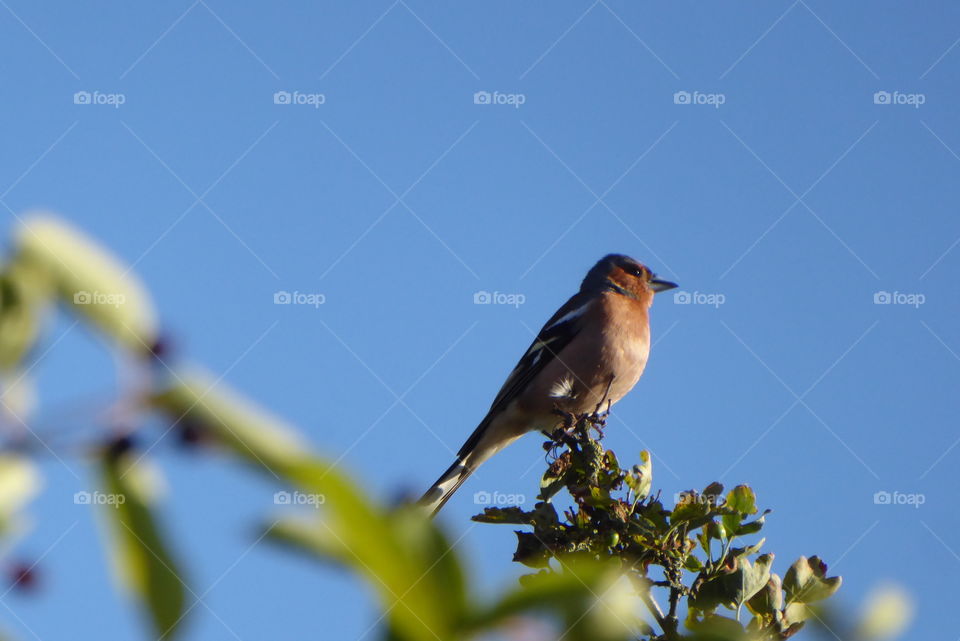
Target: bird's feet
[{"x": 575, "y": 428}]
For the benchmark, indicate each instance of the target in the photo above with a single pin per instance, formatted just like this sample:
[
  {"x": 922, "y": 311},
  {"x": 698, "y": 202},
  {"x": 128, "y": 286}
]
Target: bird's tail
[{"x": 444, "y": 487}]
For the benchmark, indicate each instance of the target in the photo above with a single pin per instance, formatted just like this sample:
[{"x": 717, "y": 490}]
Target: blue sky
[{"x": 816, "y": 214}]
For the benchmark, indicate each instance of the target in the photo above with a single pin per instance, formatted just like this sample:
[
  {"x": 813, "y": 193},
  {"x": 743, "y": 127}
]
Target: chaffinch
[{"x": 589, "y": 354}]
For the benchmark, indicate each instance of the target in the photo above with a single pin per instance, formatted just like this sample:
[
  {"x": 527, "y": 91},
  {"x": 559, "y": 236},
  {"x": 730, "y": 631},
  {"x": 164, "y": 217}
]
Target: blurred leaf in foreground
[
  {"x": 139, "y": 552},
  {"x": 88, "y": 278},
  {"x": 19, "y": 482}
]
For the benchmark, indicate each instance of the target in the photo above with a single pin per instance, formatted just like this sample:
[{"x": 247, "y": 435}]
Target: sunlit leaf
[
  {"x": 615, "y": 613},
  {"x": 569, "y": 593},
  {"x": 90, "y": 280},
  {"x": 399, "y": 558},
  {"x": 887, "y": 613},
  {"x": 806, "y": 581},
  {"x": 769, "y": 599},
  {"x": 640, "y": 478},
  {"x": 402, "y": 560},
  {"x": 138, "y": 550},
  {"x": 418, "y": 580},
  {"x": 19, "y": 482},
  {"x": 231, "y": 420},
  {"x": 742, "y": 499}
]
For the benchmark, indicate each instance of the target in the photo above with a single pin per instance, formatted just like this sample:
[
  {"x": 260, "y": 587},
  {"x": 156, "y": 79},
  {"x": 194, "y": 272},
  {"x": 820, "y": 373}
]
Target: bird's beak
[{"x": 658, "y": 285}]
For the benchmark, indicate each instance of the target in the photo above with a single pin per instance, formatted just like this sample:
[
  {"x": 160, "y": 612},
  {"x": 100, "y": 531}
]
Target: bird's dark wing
[{"x": 554, "y": 336}]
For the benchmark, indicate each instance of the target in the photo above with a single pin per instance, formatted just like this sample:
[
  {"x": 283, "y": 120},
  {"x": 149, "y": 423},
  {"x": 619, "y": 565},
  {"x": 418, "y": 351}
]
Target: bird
[{"x": 590, "y": 353}]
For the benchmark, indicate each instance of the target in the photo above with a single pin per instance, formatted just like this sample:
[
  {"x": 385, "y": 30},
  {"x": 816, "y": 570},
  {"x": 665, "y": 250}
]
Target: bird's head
[{"x": 626, "y": 276}]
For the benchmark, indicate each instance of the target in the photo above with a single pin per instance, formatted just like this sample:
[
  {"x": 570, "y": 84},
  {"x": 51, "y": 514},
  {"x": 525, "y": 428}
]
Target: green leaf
[
  {"x": 436, "y": 555},
  {"x": 690, "y": 507},
  {"x": 19, "y": 318},
  {"x": 610, "y": 462},
  {"x": 139, "y": 552},
  {"x": 570, "y": 593},
  {"x": 798, "y": 613},
  {"x": 806, "y": 581},
  {"x": 640, "y": 477},
  {"x": 732, "y": 589},
  {"x": 769, "y": 599},
  {"x": 531, "y": 551},
  {"x": 87, "y": 278},
  {"x": 511, "y": 515},
  {"x": 402, "y": 554},
  {"x": 235, "y": 423},
  {"x": 747, "y": 550},
  {"x": 752, "y": 527},
  {"x": 740, "y": 502},
  {"x": 715, "y": 627},
  {"x": 19, "y": 483},
  {"x": 753, "y": 578},
  {"x": 399, "y": 559},
  {"x": 742, "y": 499},
  {"x": 887, "y": 613},
  {"x": 308, "y": 536}
]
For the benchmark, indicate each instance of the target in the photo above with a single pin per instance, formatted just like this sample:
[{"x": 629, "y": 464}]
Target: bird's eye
[{"x": 639, "y": 272}]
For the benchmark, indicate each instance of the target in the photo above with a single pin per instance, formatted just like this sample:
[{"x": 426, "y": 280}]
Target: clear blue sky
[{"x": 797, "y": 200}]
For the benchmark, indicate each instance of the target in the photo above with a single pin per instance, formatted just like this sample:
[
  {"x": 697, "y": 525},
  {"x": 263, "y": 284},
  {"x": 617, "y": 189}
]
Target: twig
[
  {"x": 672, "y": 620},
  {"x": 668, "y": 626}
]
